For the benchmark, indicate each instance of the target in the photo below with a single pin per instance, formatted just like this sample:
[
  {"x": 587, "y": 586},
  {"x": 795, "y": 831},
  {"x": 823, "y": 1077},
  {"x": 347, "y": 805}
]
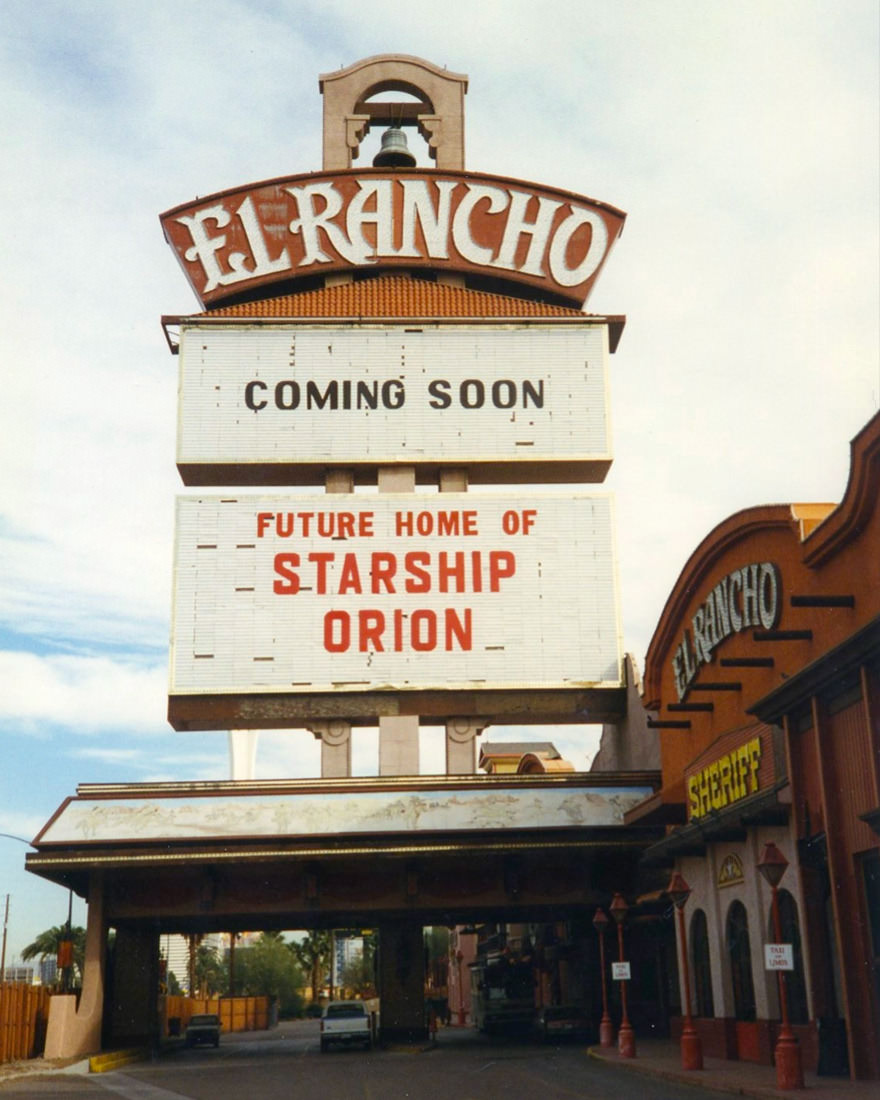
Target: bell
[{"x": 394, "y": 152}]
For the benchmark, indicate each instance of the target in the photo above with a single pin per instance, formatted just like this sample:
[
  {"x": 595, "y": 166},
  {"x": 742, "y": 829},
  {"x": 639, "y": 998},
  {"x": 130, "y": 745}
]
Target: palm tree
[
  {"x": 46, "y": 945},
  {"x": 313, "y": 955}
]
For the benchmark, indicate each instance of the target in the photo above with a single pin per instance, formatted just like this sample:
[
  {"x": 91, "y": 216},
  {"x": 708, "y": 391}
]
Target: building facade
[{"x": 763, "y": 679}]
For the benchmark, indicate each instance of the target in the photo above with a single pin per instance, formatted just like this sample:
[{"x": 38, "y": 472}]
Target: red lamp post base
[
  {"x": 789, "y": 1067},
  {"x": 606, "y": 1032},
  {"x": 691, "y": 1050},
  {"x": 626, "y": 1041}
]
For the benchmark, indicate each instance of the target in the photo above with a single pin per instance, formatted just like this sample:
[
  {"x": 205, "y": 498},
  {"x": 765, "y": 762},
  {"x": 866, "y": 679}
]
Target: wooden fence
[
  {"x": 236, "y": 1013},
  {"x": 24, "y": 1012}
]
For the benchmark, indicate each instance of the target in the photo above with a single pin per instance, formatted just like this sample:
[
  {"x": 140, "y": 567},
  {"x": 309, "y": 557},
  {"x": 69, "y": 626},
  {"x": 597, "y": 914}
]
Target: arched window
[
  {"x": 700, "y": 965},
  {"x": 739, "y": 952},
  {"x": 795, "y": 986}
]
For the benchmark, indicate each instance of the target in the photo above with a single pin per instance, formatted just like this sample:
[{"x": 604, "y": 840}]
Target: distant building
[
  {"x": 174, "y": 950},
  {"x": 503, "y": 757},
  {"x": 347, "y": 950},
  {"x": 48, "y": 970},
  {"x": 26, "y": 975}
]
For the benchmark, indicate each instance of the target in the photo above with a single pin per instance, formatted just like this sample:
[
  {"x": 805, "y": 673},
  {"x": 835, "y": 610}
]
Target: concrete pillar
[
  {"x": 339, "y": 481},
  {"x": 402, "y": 981},
  {"x": 398, "y": 736},
  {"x": 399, "y": 745},
  {"x": 335, "y": 734},
  {"x": 461, "y": 745},
  {"x": 396, "y": 479},
  {"x": 242, "y": 753},
  {"x": 133, "y": 1011},
  {"x": 335, "y": 738},
  {"x": 453, "y": 480},
  {"x": 73, "y": 1032}
]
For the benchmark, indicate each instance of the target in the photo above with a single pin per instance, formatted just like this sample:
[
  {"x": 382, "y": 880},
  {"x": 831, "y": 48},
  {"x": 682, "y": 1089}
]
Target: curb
[
  {"x": 701, "y": 1079},
  {"x": 115, "y": 1059}
]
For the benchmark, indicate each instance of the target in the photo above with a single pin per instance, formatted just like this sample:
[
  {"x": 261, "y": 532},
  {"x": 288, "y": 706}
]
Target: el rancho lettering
[
  {"x": 726, "y": 780},
  {"x": 747, "y": 597},
  {"x": 307, "y": 225}
]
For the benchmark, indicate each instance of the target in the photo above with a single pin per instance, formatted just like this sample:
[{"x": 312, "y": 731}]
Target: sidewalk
[
  {"x": 40, "y": 1067},
  {"x": 662, "y": 1058}
]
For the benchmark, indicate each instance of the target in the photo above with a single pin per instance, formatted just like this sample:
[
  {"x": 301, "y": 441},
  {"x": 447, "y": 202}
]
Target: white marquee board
[
  {"x": 394, "y": 592},
  {"x": 348, "y": 813},
  {"x": 256, "y": 394}
]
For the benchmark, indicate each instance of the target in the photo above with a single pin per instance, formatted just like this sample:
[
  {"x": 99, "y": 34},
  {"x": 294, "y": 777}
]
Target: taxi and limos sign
[
  {"x": 394, "y": 592},
  {"x": 272, "y": 403}
]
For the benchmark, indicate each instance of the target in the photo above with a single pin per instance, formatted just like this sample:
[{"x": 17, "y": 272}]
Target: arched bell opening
[{"x": 394, "y": 91}]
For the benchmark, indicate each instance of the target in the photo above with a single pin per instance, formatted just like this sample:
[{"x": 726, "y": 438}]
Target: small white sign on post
[
  {"x": 778, "y": 956},
  {"x": 620, "y": 972}
]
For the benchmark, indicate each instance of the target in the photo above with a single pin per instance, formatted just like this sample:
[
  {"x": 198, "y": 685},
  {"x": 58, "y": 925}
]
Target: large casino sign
[{"x": 279, "y": 230}]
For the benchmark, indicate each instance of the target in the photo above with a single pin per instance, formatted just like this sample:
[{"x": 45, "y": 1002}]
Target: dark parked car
[
  {"x": 555, "y": 1022},
  {"x": 203, "y": 1029}
]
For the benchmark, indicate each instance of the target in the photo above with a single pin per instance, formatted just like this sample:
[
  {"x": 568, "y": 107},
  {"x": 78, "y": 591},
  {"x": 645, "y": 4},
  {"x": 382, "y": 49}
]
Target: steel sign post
[
  {"x": 606, "y": 1028},
  {"x": 789, "y": 1065},
  {"x": 691, "y": 1045},
  {"x": 626, "y": 1037}
]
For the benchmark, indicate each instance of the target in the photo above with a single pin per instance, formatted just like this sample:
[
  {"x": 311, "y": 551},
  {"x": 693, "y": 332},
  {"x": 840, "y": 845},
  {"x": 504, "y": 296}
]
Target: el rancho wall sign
[
  {"x": 279, "y": 230},
  {"x": 748, "y": 597}
]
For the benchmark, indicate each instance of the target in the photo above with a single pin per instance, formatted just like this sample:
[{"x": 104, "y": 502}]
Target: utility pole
[{"x": 3, "y": 949}]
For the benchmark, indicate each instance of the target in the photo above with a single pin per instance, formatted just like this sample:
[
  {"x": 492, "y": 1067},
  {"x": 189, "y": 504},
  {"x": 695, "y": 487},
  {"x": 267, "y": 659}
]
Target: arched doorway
[
  {"x": 701, "y": 967},
  {"x": 739, "y": 957},
  {"x": 739, "y": 953}
]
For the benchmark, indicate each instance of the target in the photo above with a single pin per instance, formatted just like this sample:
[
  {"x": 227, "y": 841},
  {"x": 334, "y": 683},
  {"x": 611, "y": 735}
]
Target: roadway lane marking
[{"x": 133, "y": 1089}]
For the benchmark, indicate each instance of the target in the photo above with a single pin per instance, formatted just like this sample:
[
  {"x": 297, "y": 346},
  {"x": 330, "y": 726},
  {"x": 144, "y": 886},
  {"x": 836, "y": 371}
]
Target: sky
[{"x": 741, "y": 140}]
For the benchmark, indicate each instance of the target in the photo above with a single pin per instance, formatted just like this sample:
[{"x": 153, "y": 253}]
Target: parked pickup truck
[
  {"x": 204, "y": 1028},
  {"x": 346, "y": 1022}
]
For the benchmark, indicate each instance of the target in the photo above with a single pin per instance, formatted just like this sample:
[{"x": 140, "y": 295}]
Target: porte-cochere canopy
[{"x": 300, "y": 853}]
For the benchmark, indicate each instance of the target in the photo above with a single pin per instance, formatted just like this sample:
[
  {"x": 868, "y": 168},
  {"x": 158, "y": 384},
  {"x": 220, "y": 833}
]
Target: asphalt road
[{"x": 286, "y": 1062}]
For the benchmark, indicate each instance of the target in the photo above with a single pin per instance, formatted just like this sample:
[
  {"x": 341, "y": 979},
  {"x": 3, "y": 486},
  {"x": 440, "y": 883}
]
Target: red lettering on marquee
[
  {"x": 446, "y": 571},
  {"x": 423, "y": 630}
]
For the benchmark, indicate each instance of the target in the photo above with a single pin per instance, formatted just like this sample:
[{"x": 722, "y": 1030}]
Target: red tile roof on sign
[{"x": 393, "y": 296}]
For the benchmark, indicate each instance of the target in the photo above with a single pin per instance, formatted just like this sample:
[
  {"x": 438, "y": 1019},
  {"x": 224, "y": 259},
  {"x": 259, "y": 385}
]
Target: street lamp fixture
[
  {"x": 606, "y": 1028},
  {"x": 789, "y": 1067},
  {"x": 626, "y": 1039},
  {"x": 691, "y": 1046},
  {"x": 459, "y": 957}
]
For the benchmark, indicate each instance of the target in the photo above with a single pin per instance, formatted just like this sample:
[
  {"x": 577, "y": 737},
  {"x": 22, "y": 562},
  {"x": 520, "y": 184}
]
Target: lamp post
[
  {"x": 626, "y": 1039},
  {"x": 606, "y": 1028},
  {"x": 691, "y": 1046},
  {"x": 3, "y": 949},
  {"x": 459, "y": 956},
  {"x": 789, "y": 1067}
]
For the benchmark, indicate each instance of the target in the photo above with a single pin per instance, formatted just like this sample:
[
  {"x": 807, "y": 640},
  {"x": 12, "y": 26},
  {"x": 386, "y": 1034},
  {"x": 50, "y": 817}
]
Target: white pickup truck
[{"x": 346, "y": 1022}]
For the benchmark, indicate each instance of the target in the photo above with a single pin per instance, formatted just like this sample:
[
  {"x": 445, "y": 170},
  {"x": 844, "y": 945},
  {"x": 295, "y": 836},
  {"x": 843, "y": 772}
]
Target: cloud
[
  {"x": 84, "y": 695},
  {"x": 109, "y": 755},
  {"x": 20, "y": 825},
  {"x": 748, "y": 164}
]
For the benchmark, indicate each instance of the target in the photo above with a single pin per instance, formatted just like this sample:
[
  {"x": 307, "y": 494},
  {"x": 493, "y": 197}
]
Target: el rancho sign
[
  {"x": 749, "y": 597},
  {"x": 273, "y": 232}
]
